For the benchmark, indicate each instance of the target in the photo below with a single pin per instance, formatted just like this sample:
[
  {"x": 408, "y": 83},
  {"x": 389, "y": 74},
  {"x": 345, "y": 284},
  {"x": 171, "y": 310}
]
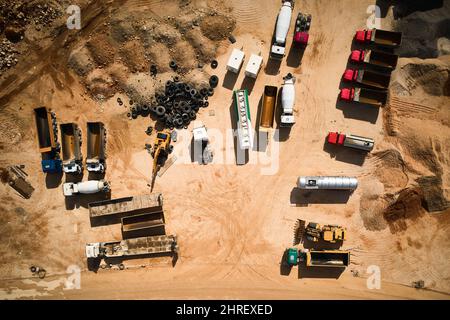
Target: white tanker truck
[
  {"x": 287, "y": 101},
  {"x": 278, "y": 48},
  {"x": 86, "y": 187},
  {"x": 328, "y": 183}
]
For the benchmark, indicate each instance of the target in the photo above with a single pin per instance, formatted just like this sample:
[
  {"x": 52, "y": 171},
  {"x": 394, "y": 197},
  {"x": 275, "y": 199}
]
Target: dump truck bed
[
  {"x": 268, "y": 108},
  {"x": 372, "y": 97},
  {"x": 381, "y": 59},
  {"x": 126, "y": 206},
  {"x": 328, "y": 258},
  {"x": 71, "y": 144},
  {"x": 96, "y": 141},
  {"x": 373, "y": 79},
  {"x": 143, "y": 221},
  {"x": 386, "y": 38},
  {"x": 44, "y": 129},
  {"x": 141, "y": 246}
]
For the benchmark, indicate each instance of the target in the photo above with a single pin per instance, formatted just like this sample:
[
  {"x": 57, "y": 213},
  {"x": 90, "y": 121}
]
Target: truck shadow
[
  {"x": 229, "y": 80},
  {"x": 53, "y": 180},
  {"x": 345, "y": 154},
  {"x": 272, "y": 67},
  {"x": 319, "y": 272},
  {"x": 358, "y": 111},
  {"x": 295, "y": 56},
  {"x": 248, "y": 83},
  {"x": 82, "y": 200},
  {"x": 303, "y": 198},
  {"x": 241, "y": 156}
]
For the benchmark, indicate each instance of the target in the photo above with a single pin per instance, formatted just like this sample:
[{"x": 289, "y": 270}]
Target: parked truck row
[{"x": 72, "y": 157}]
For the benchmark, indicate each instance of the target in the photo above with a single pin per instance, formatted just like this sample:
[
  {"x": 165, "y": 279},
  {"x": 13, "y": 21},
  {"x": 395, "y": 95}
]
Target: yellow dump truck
[{"x": 268, "y": 108}]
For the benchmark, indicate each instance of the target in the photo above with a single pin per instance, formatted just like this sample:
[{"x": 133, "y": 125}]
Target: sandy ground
[{"x": 233, "y": 222}]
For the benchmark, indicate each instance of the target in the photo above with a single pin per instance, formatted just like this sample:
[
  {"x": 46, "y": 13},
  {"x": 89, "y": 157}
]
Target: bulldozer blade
[{"x": 299, "y": 231}]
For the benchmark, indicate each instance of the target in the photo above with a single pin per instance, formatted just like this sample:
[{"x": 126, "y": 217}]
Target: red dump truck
[
  {"x": 367, "y": 78},
  {"x": 382, "y": 38},
  {"x": 364, "y": 96},
  {"x": 381, "y": 60},
  {"x": 350, "y": 140}
]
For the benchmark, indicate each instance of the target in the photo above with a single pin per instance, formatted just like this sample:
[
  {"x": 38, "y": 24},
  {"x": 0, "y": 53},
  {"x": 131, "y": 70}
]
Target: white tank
[
  {"x": 288, "y": 94},
  {"x": 93, "y": 186},
  {"x": 283, "y": 22},
  {"x": 336, "y": 183}
]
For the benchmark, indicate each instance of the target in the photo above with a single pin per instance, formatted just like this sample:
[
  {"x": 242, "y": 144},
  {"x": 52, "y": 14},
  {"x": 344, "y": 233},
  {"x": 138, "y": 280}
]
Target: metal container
[
  {"x": 268, "y": 108},
  {"x": 334, "y": 183}
]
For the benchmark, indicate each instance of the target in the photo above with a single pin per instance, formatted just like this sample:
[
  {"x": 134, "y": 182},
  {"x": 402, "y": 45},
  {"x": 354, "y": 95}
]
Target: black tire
[
  {"x": 131, "y": 102},
  {"x": 210, "y": 92},
  {"x": 213, "y": 81},
  {"x": 160, "y": 111},
  {"x": 33, "y": 269},
  {"x": 193, "y": 93},
  {"x": 204, "y": 92},
  {"x": 214, "y": 64},
  {"x": 134, "y": 115},
  {"x": 185, "y": 117},
  {"x": 205, "y": 104},
  {"x": 41, "y": 274},
  {"x": 193, "y": 115},
  {"x": 170, "y": 148},
  {"x": 178, "y": 122},
  {"x": 173, "y": 65},
  {"x": 186, "y": 109},
  {"x": 176, "y": 79},
  {"x": 121, "y": 266}
]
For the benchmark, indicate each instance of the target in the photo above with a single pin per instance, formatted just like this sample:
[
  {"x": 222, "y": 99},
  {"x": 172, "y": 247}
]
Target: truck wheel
[
  {"x": 33, "y": 269},
  {"x": 170, "y": 148},
  {"x": 121, "y": 266},
  {"x": 214, "y": 64},
  {"x": 210, "y": 92},
  {"x": 192, "y": 115},
  {"x": 213, "y": 81},
  {"x": 186, "y": 109},
  {"x": 176, "y": 79},
  {"x": 173, "y": 65},
  {"x": 205, "y": 104}
]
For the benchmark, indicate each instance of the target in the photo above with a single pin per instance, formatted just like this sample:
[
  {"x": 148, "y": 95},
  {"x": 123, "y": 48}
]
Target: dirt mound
[
  {"x": 217, "y": 27},
  {"x": 433, "y": 197},
  {"x": 423, "y": 23},
  {"x": 431, "y": 76},
  {"x": 407, "y": 205}
]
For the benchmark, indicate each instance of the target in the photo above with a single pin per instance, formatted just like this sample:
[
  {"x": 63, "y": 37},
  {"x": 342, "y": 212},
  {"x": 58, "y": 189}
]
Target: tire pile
[{"x": 178, "y": 105}]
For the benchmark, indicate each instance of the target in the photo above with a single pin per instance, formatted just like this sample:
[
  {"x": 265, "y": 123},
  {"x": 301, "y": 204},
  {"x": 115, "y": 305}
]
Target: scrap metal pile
[{"x": 178, "y": 105}]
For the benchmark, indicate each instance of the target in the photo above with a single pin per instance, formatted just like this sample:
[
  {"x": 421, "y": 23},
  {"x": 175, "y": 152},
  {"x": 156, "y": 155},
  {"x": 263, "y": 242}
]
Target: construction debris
[{"x": 16, "y": 177}]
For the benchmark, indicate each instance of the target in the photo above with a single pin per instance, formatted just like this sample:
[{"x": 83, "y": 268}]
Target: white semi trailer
[
  {"x": 288, "y": 101},
  {"x": 330, "y": 183},
  {"x": 278, "y": 48},
  {"x": 86, "y": 187}
]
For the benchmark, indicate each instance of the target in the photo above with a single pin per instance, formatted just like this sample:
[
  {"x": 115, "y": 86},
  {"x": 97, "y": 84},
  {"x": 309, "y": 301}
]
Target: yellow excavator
[
  {"x": 160, "y": 152},
  {"x": 315, "y": 232}
]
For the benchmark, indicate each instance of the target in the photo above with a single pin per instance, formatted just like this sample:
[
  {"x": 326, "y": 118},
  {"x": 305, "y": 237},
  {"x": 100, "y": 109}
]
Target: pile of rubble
[
  {"x": 8, "y": 55},
  {"x": 44, "y": 15},
  {"x": 178, "y": 105}
]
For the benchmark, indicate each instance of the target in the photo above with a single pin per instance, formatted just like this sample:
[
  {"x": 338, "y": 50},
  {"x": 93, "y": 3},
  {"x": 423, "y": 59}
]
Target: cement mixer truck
[
  {"x": 278, "y": 48},
  {"x": 86, "y": 187},
  {"x": 287, "y": 101}
]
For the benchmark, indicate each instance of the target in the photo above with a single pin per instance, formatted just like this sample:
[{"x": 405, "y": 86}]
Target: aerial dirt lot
[{"x": 233, "y": 222}]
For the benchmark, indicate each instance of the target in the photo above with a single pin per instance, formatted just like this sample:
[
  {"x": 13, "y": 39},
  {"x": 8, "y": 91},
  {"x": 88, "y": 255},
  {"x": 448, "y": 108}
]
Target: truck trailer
[
  {"x": 278, "y": 48},
  {"x": 367, "y": 78},
  {"x": 71, "y": 148},
  {"x": 351, "y": 141},
  {"x": 288, "y": 101},
  {"x": 381, "y": 38},
  {"x": 244, "y": 123},
  {"x": 132, "y": 247},
  {"x": 370, "y": 97},
  {"x": 327, "y": 183},
  {"x": 96, "y": 147},
  {"x": 49, "y": 147},
  {"x": 318, "y": 258},
  {"x": 144, "y": 222},
  {"x": 268, "y": 108},
  {"x": 383, "y": 61},
  {"x": 115, "y": 209}
]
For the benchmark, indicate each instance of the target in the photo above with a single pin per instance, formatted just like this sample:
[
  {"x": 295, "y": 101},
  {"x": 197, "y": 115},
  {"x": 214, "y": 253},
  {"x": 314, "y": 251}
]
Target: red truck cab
[
  {"x": 347, "y": 94},
  {"x": 350, "y": 75},
  {"x": 363, "y": 35},
  {"x": 301, "y": 38},
  {"x": 336, "y": 138},
  {"x": 357, "y": 55}
]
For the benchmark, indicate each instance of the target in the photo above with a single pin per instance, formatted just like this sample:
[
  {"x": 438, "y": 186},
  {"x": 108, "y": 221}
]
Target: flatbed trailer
[
  {"x": 368, "y": 78},
  {"x": 383, "y": 61},
  {"x": 132, "y": 247},
  {"x": 117, "y": 208},
  {"x": 244, "y": 123},
  {"x": 378, "y": 37},
  {"x": 374, "y": 98},
  {"x": 96, "y": 147}
]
